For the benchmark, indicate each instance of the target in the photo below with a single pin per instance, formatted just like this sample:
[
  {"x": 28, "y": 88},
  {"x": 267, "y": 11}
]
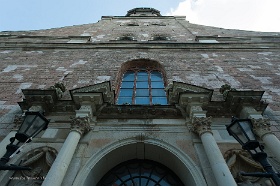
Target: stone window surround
[{"x": 136, "y": 64}]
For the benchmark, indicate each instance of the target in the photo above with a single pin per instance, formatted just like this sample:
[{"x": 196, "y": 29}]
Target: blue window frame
[{"x": 142, "y": 87}]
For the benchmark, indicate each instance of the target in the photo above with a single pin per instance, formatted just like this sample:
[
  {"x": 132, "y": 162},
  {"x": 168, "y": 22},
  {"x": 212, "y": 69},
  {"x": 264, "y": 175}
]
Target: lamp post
[
  {"x": 33, "y": 124},
  {"x": 242, "y": 131}
]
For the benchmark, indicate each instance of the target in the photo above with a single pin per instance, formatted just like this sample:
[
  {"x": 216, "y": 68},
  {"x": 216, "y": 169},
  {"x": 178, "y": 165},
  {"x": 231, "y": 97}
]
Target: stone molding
[
  {"x": 238, "y": 100},
  {"x": 103, "y": 88},
  {"x": 201, "y": 125},
  {"x": 195, "y": 110},
  {"x": 189, "y": 166},
  {"x": 80, "y": 124},
  {"x": 178, "y": 88},
  {"x": 85, "y": 111},
  {"x": 250, "y": 112},
  {"x": 261, "y": 126}
]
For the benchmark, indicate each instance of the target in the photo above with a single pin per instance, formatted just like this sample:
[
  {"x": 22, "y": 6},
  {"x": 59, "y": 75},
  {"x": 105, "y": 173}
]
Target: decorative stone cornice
[
  {"x": 261, "y": 126},
  {"x": 201, "y": 125},
  {"x": 80, "y": 124}
]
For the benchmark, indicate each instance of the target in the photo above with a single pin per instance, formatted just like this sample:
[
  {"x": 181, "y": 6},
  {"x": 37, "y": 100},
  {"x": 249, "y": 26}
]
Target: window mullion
[
  {"x": 134, "y": 88},
  {"x": 150, "y": 86}
]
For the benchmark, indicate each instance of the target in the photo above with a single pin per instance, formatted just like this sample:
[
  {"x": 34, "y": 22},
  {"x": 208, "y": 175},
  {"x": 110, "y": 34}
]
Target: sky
[{"x": 255, "y": 15}]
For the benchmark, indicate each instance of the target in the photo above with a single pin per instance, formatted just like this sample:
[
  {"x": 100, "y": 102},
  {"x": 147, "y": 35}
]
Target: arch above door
[{"x": 131, "y": 148}]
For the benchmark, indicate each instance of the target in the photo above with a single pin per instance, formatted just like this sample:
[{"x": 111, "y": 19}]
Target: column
[
  {"x": 261, "y": 128},
  {"x": 55, "y": 176},
  {"x": 202, "y": 126},
  {"x": 6, "y": 141}
]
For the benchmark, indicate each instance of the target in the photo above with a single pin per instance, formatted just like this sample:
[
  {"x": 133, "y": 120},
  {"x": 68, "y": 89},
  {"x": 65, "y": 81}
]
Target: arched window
[
  {"x": 142, "y": 86},
  {"x": 142, "y": 173}
]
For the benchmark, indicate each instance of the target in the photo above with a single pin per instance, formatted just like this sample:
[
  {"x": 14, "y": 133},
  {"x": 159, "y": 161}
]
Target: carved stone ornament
[
  {"x": 59, "y": 88},
  {"x": 225, "y": 89},
  {"x": 201, "y": 125},
  {"x": 80, "y": 124},
  {"x": 261, "y": 126},
  {"x": 240, "y": 160},
  {"x": 40, "y": 160},
  {"x": 18, "y": 121}
]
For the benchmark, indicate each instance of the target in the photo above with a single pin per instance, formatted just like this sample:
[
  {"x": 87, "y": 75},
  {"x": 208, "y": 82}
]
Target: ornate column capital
[
  {"x": 201, "y": 125},
  {"x": 261, "y": 126},
  {"x": 80, "y": 124}
]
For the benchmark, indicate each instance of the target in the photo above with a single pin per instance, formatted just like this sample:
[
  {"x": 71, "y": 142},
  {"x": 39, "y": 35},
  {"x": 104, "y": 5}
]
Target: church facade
[{"x": 140, "y": 99}]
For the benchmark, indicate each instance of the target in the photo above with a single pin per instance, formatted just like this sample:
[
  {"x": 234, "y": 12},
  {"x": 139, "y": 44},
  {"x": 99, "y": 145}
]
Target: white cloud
[{"x": 257, "y": 15}]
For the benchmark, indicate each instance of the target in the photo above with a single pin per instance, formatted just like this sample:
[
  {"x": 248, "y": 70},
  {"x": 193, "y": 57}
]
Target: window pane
[
  {"x": 142, "y": 100},
  {"x": 128, "y": 76},
  {"x": 142, "y": 84},
  {"x": 158, "y": 92},
  {"x": 127, "y": 84},
  {"x": 142, "y": 78},
  {"x": 124, "y": 100},
  {"x": 157, "y": 84},
  {"x": 159, "y": 100},
  {"x": 156, "y": 76},
  {"x": 142, "y": 73},
  {"x": 142, "y": 92},
  {"x": 126, "y": 93}
]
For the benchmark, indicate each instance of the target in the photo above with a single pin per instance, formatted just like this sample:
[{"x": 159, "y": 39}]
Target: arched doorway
[
  {"x": 139, "y": 172},
  {"x": 127, "y": 149}
]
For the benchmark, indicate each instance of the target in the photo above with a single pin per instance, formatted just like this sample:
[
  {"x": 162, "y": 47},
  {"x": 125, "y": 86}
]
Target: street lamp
[
  {"x": 33, "y": 124},
  {"x": 242, "y": 131}
]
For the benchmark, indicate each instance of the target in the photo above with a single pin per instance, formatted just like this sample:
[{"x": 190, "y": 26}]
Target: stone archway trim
[{"x": 188, "y": 163}]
